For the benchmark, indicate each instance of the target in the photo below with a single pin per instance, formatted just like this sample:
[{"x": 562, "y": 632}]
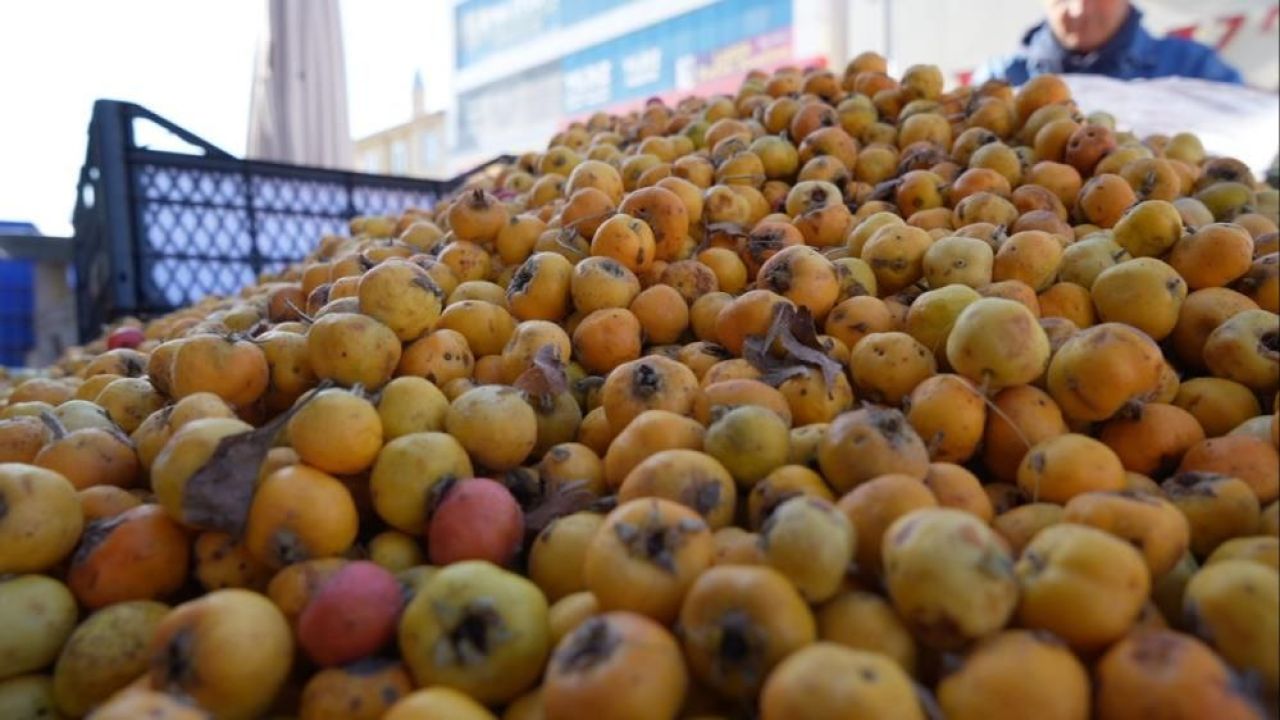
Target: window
[
  {"x": 642, "y": 68},
  {"x": 371, "y": 162},
  {"x": 588, "y": 85},
  {"x": 428, "y": 149},
  {"x": 399, "y": 158}
]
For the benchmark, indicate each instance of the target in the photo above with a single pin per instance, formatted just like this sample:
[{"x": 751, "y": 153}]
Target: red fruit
[
  {"x": 478, "y": 519},
  {"x": 125, "y": 337},
  {"x": 352, "y": 616}
]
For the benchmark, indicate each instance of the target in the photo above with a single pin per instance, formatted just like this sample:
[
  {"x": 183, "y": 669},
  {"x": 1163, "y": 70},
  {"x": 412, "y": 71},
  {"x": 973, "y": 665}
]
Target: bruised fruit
[
  {"x": 1246, "y": 348},
  {"x": 1252, "y": 460},
  {"x": 694, "y": 479},
  {"x": 1150, "y": 523}
]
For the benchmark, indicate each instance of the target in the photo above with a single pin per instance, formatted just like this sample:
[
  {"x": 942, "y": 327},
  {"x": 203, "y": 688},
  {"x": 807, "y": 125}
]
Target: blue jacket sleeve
[
  {"x": 1186, "y": 58},
  {"x": 1011, "y": 68},
  {"x": 1213, "y": 67}
]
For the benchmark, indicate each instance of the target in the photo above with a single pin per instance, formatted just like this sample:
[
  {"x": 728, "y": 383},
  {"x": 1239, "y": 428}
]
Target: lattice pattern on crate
[
  {"x": 190, "y": 185},
  {"x": 293, "y": 195},
  {"x": 288, "y": 236},
  {"x": 176, "y": 229},
  {"x": 205, "y": 231},
  {"x": 381, "y": 201},
  {"x": 176, "y": 282}
]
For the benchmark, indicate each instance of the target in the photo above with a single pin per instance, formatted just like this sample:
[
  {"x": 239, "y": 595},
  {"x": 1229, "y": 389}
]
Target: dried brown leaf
[
  {"x": 546, "y": 378},
  {"x": 885, "y": 190},
  {"x": 218, "y": 495},
  {"x": 794, "y": 331},
  {"x": 565, "y": 499}
]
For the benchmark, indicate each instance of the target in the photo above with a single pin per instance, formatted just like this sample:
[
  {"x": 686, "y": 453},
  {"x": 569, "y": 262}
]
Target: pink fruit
[
  {"x": 125, "y": 337},
  {"x": 352, "y": 616},
  {"x": 478, "y": 519}
]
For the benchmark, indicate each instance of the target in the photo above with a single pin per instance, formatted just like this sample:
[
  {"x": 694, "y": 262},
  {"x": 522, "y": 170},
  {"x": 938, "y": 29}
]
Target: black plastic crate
[{"x": 156, "y": 230}]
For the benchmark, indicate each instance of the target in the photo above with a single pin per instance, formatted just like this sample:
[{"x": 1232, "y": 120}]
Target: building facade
[
  {"x": 523, "y": 68},
  {"x": 417, "y": 148}
]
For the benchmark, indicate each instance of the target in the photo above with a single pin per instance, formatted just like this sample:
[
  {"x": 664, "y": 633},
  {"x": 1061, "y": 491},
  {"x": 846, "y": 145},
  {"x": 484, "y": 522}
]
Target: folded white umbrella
[{"x": 298, "y": 110}]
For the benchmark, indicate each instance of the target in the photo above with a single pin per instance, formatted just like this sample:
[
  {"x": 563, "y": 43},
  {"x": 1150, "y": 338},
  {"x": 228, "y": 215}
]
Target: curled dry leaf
[
  {"x": 545, "y": 379},
  {"x": 711, "y": 231},
  {"x": 218, "y": 495},
  {"x": 884, "y": 190},
  {"x": 565, "y": 499},
  {"x": 524, "y": 485},
  {"x": 794, "y": 331}
]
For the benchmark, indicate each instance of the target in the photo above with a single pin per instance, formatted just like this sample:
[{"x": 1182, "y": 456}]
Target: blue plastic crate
[{"x": 17, "y": 311}]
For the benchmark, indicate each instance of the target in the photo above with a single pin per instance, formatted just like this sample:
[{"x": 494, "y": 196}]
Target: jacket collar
[{"x": 1126, "y": 54}]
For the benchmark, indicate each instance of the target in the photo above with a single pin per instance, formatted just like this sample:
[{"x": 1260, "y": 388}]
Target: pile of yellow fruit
[{"x": 841, "y": 397}]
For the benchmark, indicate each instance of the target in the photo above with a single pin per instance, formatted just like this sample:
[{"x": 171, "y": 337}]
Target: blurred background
[{"x": 432, "y": 87}]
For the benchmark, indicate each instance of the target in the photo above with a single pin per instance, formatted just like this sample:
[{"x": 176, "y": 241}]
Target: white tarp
[
  {"x": 298, "y": 111},
  {"x": 1239, "y": 122}
]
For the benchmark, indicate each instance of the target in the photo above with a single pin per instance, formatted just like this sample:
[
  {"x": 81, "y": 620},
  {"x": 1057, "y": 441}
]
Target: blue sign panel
[
  {"x": 678, "y": 53},
  {"x": 488, "y": 26}
]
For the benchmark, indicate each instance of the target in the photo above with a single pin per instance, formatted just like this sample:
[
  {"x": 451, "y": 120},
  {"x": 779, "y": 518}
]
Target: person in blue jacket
[{"x": 1104, "y": 37}]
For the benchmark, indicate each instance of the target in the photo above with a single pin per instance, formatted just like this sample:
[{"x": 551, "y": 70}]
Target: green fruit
[
  {"x": 1226, "y": 200},
  {"x": 106, "y": 652},
  {"x": 37, "y": 613}
]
